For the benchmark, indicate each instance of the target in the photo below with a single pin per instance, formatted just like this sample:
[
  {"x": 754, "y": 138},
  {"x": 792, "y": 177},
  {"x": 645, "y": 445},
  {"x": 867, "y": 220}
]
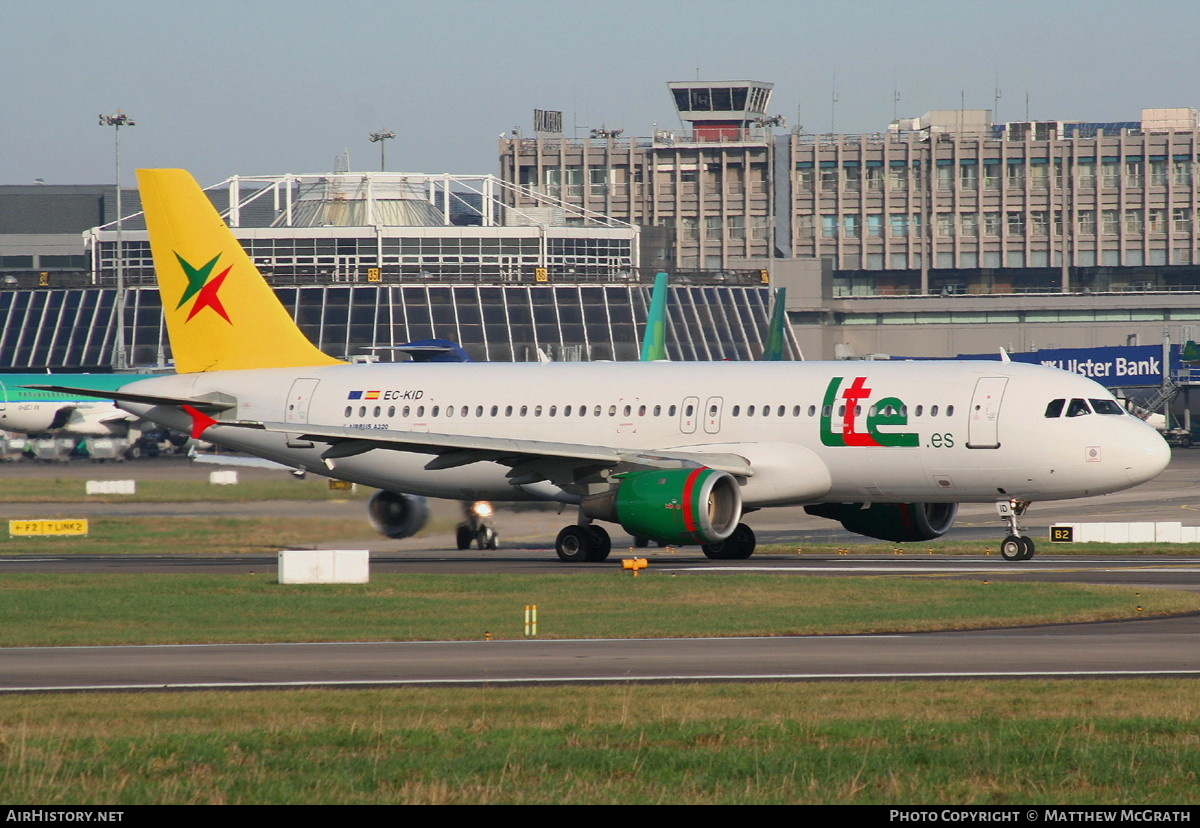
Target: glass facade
[{"x": 73, "y": 329}]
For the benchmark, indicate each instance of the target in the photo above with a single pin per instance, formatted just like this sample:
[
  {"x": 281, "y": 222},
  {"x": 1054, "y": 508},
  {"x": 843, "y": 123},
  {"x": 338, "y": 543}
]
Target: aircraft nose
[{"x": 1146, "y": 456}]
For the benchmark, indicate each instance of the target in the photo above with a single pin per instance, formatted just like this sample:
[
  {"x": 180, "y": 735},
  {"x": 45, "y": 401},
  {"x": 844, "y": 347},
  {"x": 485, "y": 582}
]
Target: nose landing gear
[{"x": 1017, "y": 546}]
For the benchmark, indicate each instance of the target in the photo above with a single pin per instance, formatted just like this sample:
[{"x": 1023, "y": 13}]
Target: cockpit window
[
  {"x": 1078, "y": 408},
  {"x": 1106, "y": 407},
  {"x": 1054, "y": 409}
]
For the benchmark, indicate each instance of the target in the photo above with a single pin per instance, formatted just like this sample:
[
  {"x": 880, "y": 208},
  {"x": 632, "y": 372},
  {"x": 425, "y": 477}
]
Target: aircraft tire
[
  {"x": 486, "y": 538},
  {"x": 601, "y": 544},
  {"x": 1013, "y": 548},
  {"x": 1027, "y": 542},
  {"x": 573, "y": 544},
  {"x": 463, "y": 537},
  {"x": 737, "y": 547}
]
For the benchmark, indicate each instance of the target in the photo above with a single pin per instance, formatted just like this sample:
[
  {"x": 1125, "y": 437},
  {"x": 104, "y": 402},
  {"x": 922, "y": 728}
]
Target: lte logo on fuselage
[{"x": 888, "y": 411}]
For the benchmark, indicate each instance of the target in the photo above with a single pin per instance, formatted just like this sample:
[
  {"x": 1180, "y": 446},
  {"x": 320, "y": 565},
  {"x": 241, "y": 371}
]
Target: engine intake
[
  {"x": 699, "y": 505},
  {"x": 899, "y": 522},
  {"x": 397, "y": 515}
]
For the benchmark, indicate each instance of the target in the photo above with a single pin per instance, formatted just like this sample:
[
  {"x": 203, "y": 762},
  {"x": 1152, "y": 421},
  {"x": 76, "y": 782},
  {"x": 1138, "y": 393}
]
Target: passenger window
[
  {"x": 449, "y": 411},
  {"x": 690, "y": 410},
  {"x": 933, "y": 411},
  {"x": 362, "y": 411},
  {"x": 736, "y": 410},
  {"x": 553, "y": 410},
  {"x": 918, "y": 411},
  {"x": 812, "y": 411},
  {"x": 391, "y": 411},
  {"x": 1106, "y": 407},
  {"x": 749, "y": 411},
  {"x": 641, "y": 411},
  {"x": 1054, "y": 409},
  {"x": 1078, "y": 408},
  {"x": 657, "y": 410},
  {"x": 524, "y": 410},
  {"x": 378, "y": 411},
  {"x": 628, "y": 410},
  {"x": 349, "y": 411},
  {"x": 949, "y": 411},
  {"x": 537, "y": 411},
  {"x": 508, "y": 411},
  {"x": 671, "y": 411},
  {"x": 495, "y": 410},
  {"x": 612, "y": 411},
  {"x": 567, "y": 411},
  {"x": 435, "y": 410},
  {"x": 420, "y": 411},
  {"x": 479, "y": 411}
]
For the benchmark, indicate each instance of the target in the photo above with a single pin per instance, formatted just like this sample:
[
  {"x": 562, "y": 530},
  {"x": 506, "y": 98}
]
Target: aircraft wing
[
  {"x": 531, "y": 460},
  {"x": 199, "y": 403}
]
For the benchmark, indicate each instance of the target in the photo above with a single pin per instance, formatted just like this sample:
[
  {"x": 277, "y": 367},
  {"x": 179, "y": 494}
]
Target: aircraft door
[
  {"x": 983, "y": 426},
  {"x": 712, "y": 415},
  {"x": 688, "y": 412},
  {"x": 299, "y": 399},
  {"x": 3, "y": 396}
]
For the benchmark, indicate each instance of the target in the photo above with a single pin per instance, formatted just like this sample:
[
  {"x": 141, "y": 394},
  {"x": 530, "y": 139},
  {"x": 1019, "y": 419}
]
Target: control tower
[{"x": 720, "y": 110}]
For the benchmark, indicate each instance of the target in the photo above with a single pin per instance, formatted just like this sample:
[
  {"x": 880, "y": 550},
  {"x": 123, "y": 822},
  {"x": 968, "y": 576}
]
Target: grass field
[
  {"x": 76, "y": 609},
  {"x": 911, "y": 743}
]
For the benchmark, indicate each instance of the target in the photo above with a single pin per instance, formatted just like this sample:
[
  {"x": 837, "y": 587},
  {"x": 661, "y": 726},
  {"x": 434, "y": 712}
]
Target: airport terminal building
[
  {"x": 369, "y": 261},
  {"x": 936, "y": 236}
]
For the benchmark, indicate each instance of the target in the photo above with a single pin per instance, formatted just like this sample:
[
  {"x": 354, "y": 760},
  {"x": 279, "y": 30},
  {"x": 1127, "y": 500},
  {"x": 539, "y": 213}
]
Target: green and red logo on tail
[
  {"x": 888, "y": 411},
  {"x": 204, "y": 287}
]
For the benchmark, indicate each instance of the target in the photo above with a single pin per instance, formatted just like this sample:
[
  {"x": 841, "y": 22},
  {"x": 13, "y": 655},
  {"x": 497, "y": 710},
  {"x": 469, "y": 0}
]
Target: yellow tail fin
[{"x": 221, "y": 315}]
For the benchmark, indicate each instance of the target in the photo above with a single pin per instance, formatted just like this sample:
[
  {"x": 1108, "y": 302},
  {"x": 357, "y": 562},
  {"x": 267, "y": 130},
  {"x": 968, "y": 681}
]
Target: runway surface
[
  {"x": 1159, "y": 647},
  {"x": 1151, "y": 647}
]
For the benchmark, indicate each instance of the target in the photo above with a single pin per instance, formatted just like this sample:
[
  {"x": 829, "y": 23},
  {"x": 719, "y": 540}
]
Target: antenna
[{"x": 833, "y": 106}]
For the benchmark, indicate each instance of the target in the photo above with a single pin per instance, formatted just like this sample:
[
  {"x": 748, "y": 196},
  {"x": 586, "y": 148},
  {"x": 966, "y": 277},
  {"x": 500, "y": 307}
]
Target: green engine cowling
[
  {"x": 899, "y": 522},
  {"x": 699, "y": 505}
]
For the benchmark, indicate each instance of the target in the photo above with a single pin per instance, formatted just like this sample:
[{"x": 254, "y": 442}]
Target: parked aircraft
[
  {"x": 675, "y": 452},
  {"x": 29, "y": 410}
]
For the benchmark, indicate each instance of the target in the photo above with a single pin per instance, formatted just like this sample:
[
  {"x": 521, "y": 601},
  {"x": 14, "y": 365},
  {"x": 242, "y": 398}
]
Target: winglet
[
  {"x": 654, "y": 340},
  {"x": 1004, "y": 355},
  {"x": 220, "y": 313}
]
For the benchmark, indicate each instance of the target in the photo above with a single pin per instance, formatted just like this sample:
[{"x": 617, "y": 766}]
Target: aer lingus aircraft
[{"x": 674, "y": 452}]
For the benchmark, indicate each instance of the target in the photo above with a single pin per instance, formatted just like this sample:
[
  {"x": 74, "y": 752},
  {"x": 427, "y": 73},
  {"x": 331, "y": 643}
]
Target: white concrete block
[
  {"x": 1116, "y": 532},
  {"x": 1189, "y": 534},
  {"x": 1141, "y": 532},
  {"x": 124, "y": 487},
  {"x": 1168, "y": 531},
  {"x": 224, "y": 477},
  {"x": 324, "y": 566},
  {"x": 1090, "y": 532}
]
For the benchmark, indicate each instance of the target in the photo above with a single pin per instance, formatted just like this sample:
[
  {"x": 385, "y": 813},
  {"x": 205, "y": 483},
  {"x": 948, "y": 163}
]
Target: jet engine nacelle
[
  {"x": 397, "y": 515},
  {"x": 899, "y": 522},
  {"x": 699, "y": 505}
]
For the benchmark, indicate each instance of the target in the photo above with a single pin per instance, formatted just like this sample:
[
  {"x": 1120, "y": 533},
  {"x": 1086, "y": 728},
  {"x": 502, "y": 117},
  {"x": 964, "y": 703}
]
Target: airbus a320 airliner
[{"x": 673, "y": 452}]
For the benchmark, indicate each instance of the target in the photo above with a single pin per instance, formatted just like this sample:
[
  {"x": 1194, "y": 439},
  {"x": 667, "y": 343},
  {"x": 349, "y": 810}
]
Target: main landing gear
[
  {"x": 737, "y": 547},
  {"x": 1015, "y": 547},
  {"x": 580, "y": 544}
]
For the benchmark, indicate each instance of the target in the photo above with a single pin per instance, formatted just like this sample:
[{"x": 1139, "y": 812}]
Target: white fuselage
[{"x": 811, "y": 431}]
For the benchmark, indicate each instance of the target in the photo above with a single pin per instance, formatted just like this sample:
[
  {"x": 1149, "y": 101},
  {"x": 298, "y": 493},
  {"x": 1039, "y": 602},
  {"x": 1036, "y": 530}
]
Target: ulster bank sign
[{"x": 1112, "y": 367}]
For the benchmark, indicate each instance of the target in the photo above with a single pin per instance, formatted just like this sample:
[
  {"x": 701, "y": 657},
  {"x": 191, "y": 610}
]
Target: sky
[{"x": 259, "y": 87}]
